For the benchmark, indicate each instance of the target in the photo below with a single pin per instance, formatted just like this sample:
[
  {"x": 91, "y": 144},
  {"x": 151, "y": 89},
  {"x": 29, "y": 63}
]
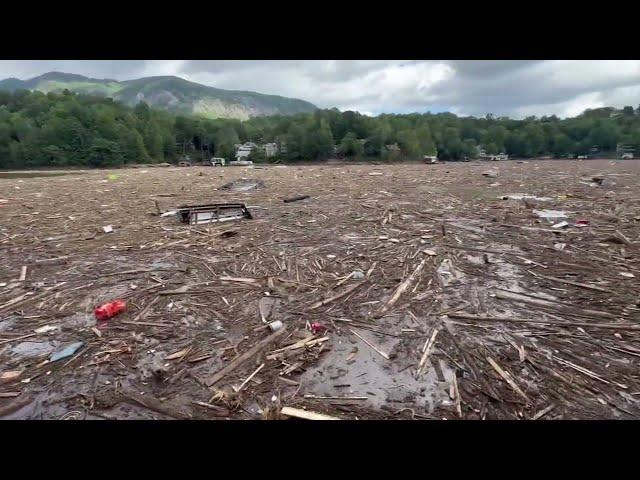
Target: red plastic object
[
  {"x": 582, "y": 222},
  {"x": 317, "y": 327},
  {"x": 111, "y": 309}
]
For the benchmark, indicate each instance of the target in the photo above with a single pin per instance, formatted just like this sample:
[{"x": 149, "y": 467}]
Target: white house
[
  {"x": 270, "y": 149},
  {"x": 243, "y": 150}
]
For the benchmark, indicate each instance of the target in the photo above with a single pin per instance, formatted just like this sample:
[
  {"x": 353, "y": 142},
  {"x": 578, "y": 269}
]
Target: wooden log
[
  {"x": 401, "y": 289},
  {"x": 156, "y": 405},
  {"x": 241, "y": 359},
  {"x": 295, "y": 199},
  {"x": 611, "y": 326},
  {"x": 344, "y": 293},
  {"x": 15, "y": 406}
]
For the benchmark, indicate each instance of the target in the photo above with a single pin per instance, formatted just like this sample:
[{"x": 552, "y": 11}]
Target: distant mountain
[{"x": 170, "y": 93}]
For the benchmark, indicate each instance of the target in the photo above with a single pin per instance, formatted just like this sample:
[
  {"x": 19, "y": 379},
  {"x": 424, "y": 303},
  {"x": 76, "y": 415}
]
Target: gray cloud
[{"x": 516, "y": 88}]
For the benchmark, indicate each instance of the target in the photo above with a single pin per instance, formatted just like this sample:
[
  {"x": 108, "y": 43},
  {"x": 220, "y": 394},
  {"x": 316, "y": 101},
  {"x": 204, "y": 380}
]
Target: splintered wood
[
  {"x": 240, "y": 359},
  {"x": 305, "y": 415},
  {"x": 426, "y": 351},
  {"x": 401, "y": 289}
]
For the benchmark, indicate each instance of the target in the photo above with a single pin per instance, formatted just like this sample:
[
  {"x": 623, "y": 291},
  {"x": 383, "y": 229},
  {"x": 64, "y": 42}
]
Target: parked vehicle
[
  {"x": 214, "y": 162},
  {"x": 627, "y": 156}
]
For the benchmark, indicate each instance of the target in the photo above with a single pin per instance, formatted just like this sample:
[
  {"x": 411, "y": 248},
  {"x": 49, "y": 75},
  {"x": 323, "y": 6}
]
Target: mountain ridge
[{"x": 171, "y": 93}]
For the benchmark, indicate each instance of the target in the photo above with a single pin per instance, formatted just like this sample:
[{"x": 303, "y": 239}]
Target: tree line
[{"x": 67, "y": 129}]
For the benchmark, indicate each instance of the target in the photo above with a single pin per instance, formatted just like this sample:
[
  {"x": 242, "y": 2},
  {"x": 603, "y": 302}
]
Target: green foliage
[
  {"x": 257, "y": 155},
  {"x": 350, "y": 146},
  {"x": 67, "y": 129}
]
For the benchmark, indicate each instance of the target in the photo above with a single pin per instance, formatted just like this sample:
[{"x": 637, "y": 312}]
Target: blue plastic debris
[{"x": 66, "y": 352}]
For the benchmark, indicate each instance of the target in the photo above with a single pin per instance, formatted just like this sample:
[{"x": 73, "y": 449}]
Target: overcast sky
[{"x": 515, "y": 88}]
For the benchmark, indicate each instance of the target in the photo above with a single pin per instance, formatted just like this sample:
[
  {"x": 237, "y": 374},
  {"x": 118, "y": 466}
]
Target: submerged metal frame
[{"x": 212, "y": 213}]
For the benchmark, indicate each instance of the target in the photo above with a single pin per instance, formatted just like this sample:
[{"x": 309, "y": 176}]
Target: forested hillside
[
  {"x": 173, "y": 94},
  {"x": 67, "y": 129}
]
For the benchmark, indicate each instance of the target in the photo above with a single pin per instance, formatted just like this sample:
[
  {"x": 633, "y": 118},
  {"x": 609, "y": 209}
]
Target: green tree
[
  {"x": 350, "y": 146},
  {"x": 105, "y": 153}
]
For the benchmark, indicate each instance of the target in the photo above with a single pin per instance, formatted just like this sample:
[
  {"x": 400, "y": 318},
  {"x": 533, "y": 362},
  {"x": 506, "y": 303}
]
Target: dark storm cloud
[{"x": 504, "y": 87}]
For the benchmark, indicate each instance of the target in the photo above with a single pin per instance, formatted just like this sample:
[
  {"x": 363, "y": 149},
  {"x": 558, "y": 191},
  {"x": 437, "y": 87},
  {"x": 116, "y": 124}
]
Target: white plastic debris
[
  {"x": 524, "y": 196},
  {"x": 275, "y": 326},
  {"x": 559, "y": 246},
  {"x": 552, "y": 214},
  {"x": 357, "y": 274},
  {"x": 107, "y": 229},
  {"x": 562, "y": 224},
  {"x": 627, "y": 275},
  {"x": 45, "y": 329}
]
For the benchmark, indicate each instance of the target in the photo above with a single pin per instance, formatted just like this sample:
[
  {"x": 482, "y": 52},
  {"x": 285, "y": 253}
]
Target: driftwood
[
  {"x": 304, "y": 414},
  {"x": 519, "y": 297},
  {"x": 241, "y": 359},
  {"x": 611, "y": 326},
  {"x": 577, "y": 284},
  {"x": 373, "y": 347},
  {"x": 401, "y": 289},
  {"x": 14, "y": 406},
  {"x": 154, "y": 404},
  {"x": 338, "y": 296},
  {"x": 507, "y": 378},
  {"x": 428, "y": 346},
  {"x": 295, "y": 199}
]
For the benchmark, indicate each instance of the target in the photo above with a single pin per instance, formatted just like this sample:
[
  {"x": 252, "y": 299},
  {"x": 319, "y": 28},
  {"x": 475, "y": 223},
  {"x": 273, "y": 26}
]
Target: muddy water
[
  {"x": 32, "y": 349},
  {"x": 33, "y": 174}
]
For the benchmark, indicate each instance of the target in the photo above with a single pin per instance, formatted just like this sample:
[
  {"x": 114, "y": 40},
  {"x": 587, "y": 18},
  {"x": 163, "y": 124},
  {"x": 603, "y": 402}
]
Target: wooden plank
[
  {"x": 287, "y": 351},
  {"x": 298, "y": 413},
  {"x": 241, "y": 359}
]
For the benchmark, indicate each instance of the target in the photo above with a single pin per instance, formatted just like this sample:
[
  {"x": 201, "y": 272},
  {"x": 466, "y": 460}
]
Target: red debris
[
  {"x": 317, "y": 327},
  {"x": 111, "y": 309}
]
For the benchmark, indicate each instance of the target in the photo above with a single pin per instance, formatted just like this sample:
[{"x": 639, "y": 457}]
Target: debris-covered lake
[{"x": 399, "y": 292}]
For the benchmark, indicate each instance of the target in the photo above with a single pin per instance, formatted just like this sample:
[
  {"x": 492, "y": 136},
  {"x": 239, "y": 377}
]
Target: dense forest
[{"x": 59, "y": 130}]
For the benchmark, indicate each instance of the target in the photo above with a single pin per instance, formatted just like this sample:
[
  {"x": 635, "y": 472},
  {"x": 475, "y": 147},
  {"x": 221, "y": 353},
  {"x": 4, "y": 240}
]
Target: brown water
[{"x": 43, "y": 173}]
